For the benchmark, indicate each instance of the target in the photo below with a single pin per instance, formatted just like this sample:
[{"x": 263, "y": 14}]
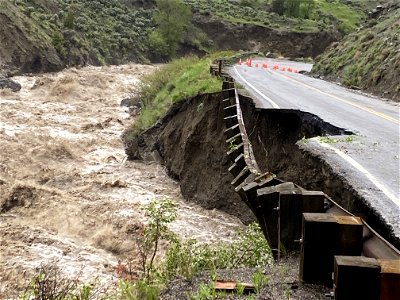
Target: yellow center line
[{"x": 379, "y": 114}]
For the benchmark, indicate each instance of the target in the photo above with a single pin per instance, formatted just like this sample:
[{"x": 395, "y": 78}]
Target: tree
[
  {"x": 278, "y": 6},
  {"x": 292, "y": 8},
  {"x": 172, "y": 18},
  {"x": 307, "y": 9}
]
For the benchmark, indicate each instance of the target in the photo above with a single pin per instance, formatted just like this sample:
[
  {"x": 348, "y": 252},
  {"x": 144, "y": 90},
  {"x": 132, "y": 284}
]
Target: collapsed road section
[
  {"x": 206, "y": 145},
  {"x": 330, "y": 238}
]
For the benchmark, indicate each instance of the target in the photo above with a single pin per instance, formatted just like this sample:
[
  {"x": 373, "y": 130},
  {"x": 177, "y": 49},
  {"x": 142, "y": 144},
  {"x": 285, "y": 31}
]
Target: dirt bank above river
[{"x": 190, "y": 141}]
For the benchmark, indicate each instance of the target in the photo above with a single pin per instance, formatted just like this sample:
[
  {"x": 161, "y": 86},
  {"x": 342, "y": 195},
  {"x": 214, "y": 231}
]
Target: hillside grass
[
  {"x": 345, "y": 16},
  {"x": 368, "y": 59},
  {"x": 103, "y": 30},
  {"x": 180, "y": 79}
]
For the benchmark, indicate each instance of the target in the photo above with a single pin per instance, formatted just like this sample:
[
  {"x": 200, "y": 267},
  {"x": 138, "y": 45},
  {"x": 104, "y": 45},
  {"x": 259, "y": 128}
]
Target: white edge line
[
  {"x": 274, "y": 105},
  {"x": 361, "y": 169}
]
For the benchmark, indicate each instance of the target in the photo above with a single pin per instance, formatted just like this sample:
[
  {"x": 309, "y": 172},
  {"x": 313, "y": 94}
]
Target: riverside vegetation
[
  {"x": 182, "y": 78},
  {"x": 183, "y": 259}
]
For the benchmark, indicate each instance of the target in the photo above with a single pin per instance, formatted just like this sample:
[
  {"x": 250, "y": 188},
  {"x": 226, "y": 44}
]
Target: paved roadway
[{"x": 370, "y": 161}]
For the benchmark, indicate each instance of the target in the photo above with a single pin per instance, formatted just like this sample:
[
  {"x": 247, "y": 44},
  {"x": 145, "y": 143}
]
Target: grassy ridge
[
  {"x": 368, "y": 59},
  {"x": 342, "y": 15}
]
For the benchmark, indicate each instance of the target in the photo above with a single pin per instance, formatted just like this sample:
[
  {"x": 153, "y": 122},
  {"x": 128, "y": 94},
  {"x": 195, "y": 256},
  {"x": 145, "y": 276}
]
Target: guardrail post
[
  {"x": 323, "y": 237},
  {"x": 268, "y": 201},
  {"x": 390, "y": 279},
  {"x": 292, "y": 205},
  {"x": 356, "y": 277}
]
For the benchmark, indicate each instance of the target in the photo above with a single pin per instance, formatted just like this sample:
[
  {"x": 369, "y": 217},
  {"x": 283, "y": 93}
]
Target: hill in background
[
  {"x": 47, "y": 35},
  {"x": 369, "y": 58}
]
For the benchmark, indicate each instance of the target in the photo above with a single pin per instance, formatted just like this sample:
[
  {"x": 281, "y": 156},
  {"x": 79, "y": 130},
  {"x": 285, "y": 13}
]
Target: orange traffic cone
[
  {"x": 296, "y": 71},
  {"x": 289, "y": 69},
  {"x": 256, "y": 65},
  {"x": 283, "y": 69}
]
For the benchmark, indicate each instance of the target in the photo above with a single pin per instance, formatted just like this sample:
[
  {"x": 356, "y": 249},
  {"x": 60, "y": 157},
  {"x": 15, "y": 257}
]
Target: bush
[{"x": 249, "y": 249}]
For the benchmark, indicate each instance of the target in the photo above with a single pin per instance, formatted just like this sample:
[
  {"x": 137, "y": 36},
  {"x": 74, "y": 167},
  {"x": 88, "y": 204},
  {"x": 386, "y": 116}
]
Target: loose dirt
[{"x": 67, "y": 192}]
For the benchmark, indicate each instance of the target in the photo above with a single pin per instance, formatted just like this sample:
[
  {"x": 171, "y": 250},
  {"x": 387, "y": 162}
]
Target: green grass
[
  {"x": 180, "y": 79},
  {"x": 344, "y": 16},
  {"x": 347, "y": 17},
  {"x": 368, "y": 58}
]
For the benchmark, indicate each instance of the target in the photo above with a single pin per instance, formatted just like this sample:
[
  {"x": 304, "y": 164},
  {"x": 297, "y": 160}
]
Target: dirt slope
[
  {"x": 20, "y": 50},
  {"x": 190, "y": 141},
  {"x": 231, "y": 36}
]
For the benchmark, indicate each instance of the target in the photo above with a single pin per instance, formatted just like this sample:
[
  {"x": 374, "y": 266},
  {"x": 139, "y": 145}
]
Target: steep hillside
[
  {"x": 370, "y": 58},
  {"x": 47, "y": 35}
]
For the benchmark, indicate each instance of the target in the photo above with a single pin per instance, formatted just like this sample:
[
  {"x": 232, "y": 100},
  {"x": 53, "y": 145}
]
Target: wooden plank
[
  {"x": 292, "y": 204},
  {"x": 349, "y": 236},
  {"x": 324, "y": 236},
  {"x": 268, "y": 203},
  {"x": 241, "y": 177},
  {"x": 316, "y": 260},
  {"x": 230, "y": 121},
  {"x": 356, "y": 277},
  {"x": 230, "y": 286},
  {"x": 390, "y": 279},
  {"x": 229, "y": 93},
  {"x": 234, "y": 152},
  {"x": 230, "y": 111}
]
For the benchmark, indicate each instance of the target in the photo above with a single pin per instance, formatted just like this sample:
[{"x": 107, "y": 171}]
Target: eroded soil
[{"x": 67, "y": 191}]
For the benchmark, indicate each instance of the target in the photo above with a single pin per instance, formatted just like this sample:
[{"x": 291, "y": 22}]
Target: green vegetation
[
  {"x": 114, "y": 31},
  {"x": 183, "y": 258},
  {"x": 329, "y": 140},
  {"x": 102, "y": 30},
  {"x": 172, "y": 18},
  {"x": 368, "y": 59},
  {"x": 292, "y": 15},
  {"x": 182, "y": 78}
]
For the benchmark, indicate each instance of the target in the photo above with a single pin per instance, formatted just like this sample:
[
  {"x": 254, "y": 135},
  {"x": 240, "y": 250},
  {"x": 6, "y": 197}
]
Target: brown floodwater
[{"x": 68, "y": 194}]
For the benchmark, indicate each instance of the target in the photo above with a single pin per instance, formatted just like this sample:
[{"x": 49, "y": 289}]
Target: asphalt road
[{"x": 369, "y": 159}]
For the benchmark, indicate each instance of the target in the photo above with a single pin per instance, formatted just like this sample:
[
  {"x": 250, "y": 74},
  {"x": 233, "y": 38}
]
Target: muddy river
[{"x": 67, "y": 192}]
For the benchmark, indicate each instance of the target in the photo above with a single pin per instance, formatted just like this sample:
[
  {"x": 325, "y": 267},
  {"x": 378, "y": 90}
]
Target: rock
[
  {"x": 6, "y": 83},
  {"x": 126, "y": 102},
  {"x": 20, "y": 196}
]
